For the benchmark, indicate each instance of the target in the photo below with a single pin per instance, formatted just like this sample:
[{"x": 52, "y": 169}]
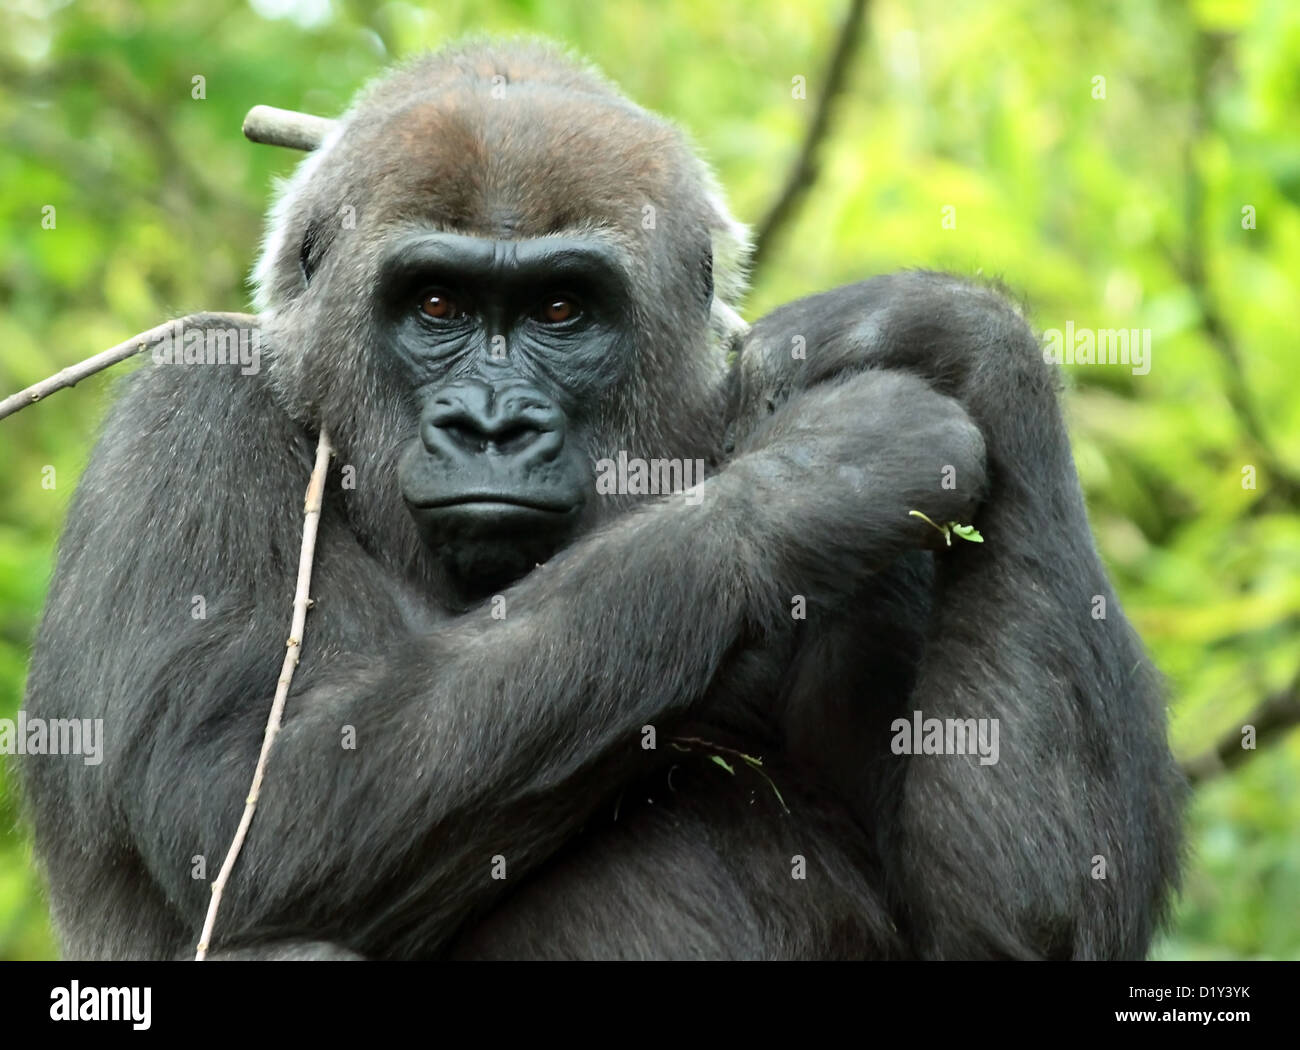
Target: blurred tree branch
[
  {"x": 1272, "y": 719},
  {"x": 803, "y": 172},
  {"x": 175, "y": 161},
  {"x": 1276, "y": 715},
  {"x": 1283, "y": 484}
]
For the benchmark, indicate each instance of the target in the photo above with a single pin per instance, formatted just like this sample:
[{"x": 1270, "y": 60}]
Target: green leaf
[{"x": 722, "y": 762}]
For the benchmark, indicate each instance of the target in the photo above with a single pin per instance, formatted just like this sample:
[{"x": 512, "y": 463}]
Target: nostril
[
  {"x": 464, "y": 435},
  {"x": 515, "y": 438},
  {"x": 476, "y": 419},
  {"x": 507, "y": 437}
]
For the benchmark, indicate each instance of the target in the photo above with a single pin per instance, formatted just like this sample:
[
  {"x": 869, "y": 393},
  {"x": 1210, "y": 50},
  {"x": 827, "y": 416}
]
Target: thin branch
[
  {"x": 803, "y": 172},
  {"x": 686, "y": 743},
  {"x": 74, "y": 374},
  {"x": 1272, "y": 719},
  {"x": 301, "y": 600}
]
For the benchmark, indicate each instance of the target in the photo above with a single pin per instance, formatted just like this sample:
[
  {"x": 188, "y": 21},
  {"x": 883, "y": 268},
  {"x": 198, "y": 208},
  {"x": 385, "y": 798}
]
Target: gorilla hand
[{"x": 833, "y": 475}]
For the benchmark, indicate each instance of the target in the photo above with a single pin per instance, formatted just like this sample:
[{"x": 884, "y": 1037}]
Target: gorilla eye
[
  {"x": 557, "y": 311},
  {"x": 440, "y": 306}
]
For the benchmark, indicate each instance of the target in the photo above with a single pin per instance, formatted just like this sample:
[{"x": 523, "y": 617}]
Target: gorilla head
[{"x": 494, "y": 272}]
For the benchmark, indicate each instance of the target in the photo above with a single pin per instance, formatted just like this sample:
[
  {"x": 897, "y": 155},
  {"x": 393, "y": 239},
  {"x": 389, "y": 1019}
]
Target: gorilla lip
[{"x": 491, "y": 500}]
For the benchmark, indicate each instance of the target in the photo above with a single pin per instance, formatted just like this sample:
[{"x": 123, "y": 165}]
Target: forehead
[{"x": 534, "y": 160}]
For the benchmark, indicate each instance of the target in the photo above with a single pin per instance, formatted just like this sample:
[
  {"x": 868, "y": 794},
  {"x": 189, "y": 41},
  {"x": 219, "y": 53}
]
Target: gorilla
[{"x": 626, "y": 642}]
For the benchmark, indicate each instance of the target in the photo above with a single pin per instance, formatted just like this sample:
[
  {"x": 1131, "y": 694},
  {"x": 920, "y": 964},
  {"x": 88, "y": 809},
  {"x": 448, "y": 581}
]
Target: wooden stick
[
  {"x": 74, "y": 374},
  {"x": 301, "y": 600},
  {"x": 284, "y": 127}
]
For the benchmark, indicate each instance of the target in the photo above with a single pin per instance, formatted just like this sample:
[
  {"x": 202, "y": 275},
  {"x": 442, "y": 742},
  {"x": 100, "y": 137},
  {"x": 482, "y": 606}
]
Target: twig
[
  {"x": 685, "y": 743},
  {"x": 284, "y": 127},
  {"x": 301, "y": 600},
  {"x": 74, "y": 374},
  {"x": 1272, "y": 719},
  {"x": 804, "y": 170}
]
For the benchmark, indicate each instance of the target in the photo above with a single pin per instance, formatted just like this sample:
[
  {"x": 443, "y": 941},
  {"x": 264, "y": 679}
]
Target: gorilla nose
[{"x": 472, "y": 418}]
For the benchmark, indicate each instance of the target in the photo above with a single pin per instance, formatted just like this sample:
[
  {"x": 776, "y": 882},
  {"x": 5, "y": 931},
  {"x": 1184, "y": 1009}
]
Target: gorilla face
[
  {"x": 503, "y": 341},
  {"x": 482, "y": 297}
]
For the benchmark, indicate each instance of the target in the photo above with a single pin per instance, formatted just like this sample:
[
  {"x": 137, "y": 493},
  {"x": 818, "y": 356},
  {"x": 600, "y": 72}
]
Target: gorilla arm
[
  {"x": 1014, "y": 636},
  {"x": 482, "y": 737}
]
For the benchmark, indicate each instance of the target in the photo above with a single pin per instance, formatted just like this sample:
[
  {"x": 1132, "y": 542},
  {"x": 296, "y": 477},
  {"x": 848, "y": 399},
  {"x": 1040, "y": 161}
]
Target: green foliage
[
  {"x": 950, "y": 529},
  {"x": 1122, "y": 211}
]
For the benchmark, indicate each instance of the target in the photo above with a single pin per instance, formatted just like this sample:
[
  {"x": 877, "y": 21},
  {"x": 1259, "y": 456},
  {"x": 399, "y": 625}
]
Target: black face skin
[{"x": 501, "y": 340}]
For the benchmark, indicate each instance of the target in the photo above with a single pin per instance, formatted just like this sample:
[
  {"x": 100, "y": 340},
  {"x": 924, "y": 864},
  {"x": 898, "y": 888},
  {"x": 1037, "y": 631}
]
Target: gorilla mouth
[
  {"x": 487, "y": 540},
  {"x": 490, "y": 502},
  {"x": 484, "y": 527}
]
